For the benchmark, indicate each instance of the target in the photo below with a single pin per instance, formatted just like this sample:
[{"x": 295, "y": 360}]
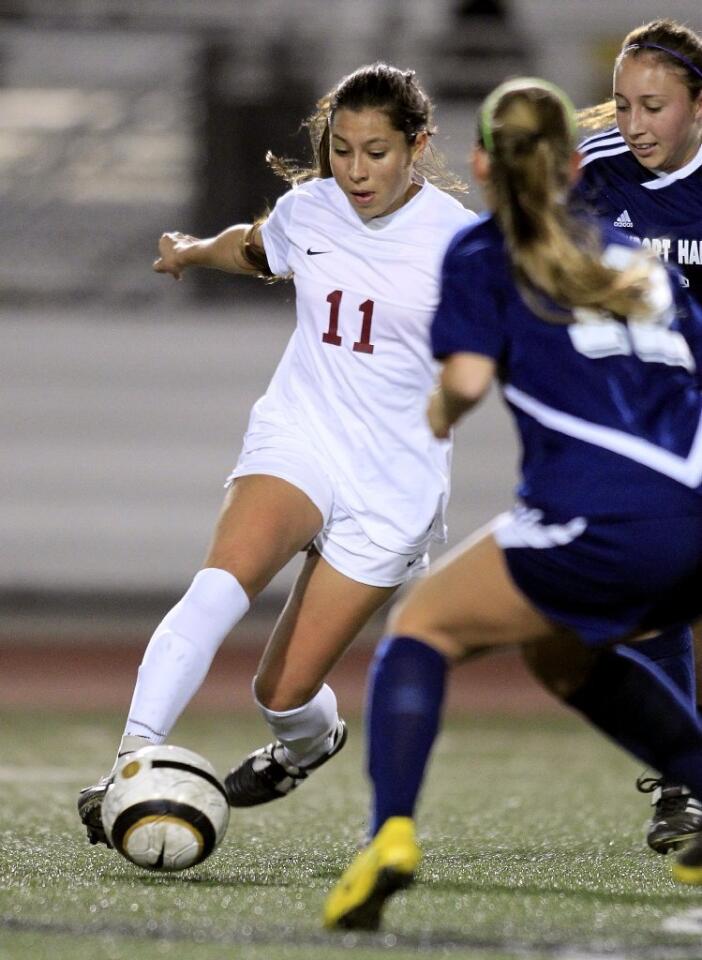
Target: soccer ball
[{"x": 165, "y": 809}]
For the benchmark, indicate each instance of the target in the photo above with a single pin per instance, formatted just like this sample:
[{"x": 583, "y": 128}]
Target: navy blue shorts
[{"x": 606, "y": 579}]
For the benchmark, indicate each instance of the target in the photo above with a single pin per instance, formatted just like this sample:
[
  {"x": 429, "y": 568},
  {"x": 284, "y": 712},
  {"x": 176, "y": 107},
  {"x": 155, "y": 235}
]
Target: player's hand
[
  {"x": 171, "y": 247},
  {"x": 436, "y": 415}
]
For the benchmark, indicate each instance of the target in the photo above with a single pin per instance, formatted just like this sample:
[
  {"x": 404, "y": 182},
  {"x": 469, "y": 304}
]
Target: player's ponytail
[{"x": 528, "y": 128}]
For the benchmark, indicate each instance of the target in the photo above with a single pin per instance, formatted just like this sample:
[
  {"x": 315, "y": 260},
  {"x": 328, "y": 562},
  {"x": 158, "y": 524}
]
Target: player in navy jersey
[
  {"x": 596, "y": 349},
  {"x": 338, "y": 460},
  {"x": 644, "y": 175}
]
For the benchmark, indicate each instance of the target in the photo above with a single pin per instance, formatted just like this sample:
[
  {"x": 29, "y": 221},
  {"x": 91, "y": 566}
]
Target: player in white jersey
[
  {"x": 337, "y": 458},
  {"x": 350, "y": 384},
  {"x": 645, "y": 177}
]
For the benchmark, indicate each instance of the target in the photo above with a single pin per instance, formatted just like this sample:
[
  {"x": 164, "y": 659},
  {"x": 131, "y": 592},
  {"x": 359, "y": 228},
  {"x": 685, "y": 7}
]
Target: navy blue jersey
[
  {"x": 608, "y": 413},
  {"x": 662, "y": 211}
]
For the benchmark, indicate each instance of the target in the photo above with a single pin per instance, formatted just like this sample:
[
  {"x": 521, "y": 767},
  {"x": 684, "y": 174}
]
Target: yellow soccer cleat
[
  {"x": 688, "y": 867},
  {"x": 387, "y": 864}
]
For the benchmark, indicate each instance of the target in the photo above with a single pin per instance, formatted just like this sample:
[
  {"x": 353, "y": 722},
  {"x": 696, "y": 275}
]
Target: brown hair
[
  {"x": 377, "y": 86},
  {"x": 682, "y": 54},
  {"x": 553, "y": 252}
]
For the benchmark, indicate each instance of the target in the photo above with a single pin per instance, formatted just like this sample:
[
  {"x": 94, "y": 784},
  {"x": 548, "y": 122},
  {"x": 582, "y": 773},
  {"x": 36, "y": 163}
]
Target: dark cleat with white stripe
[
  {"x": 90, "y": 810},
  {"x": 266, "y": 774},
  {"x": 677, "y": 815}
]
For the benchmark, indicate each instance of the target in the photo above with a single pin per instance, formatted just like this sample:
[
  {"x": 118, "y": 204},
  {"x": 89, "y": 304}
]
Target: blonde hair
[
  {"x": 673, "y": 44},
  {"x": 531, "y": 141}
]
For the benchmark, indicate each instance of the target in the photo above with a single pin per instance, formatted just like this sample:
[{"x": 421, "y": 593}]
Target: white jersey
[{"x": 356, "y": 373}]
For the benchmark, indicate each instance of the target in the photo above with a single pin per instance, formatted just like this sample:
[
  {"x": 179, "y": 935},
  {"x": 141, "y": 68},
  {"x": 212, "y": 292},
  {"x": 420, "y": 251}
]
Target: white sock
[
  {"x": 129, "y": 744},
  {"x": 305, "y": 732},
  {"x": 181, "y": 650}
]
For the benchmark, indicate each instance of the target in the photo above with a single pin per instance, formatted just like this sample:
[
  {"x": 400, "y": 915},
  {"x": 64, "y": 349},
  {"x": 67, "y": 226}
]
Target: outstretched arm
[
  {"x": 237, "y": 249},
  {"x": 464, "y": 380}
]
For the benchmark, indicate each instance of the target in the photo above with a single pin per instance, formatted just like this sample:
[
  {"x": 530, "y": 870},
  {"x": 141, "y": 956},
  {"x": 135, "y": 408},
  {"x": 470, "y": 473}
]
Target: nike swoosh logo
[
  {"x": 410, "y": 563},
  {"x": 316, "y": 253}
]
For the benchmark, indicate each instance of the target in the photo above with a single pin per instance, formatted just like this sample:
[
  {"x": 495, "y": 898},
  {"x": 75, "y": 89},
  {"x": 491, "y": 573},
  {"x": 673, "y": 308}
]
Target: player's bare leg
[
  {"x": 697, "y": 640},
  {"x": 263, "y": 523},
  {"x": 323, "y": 615},
  {"x": 469, "y": 603}
]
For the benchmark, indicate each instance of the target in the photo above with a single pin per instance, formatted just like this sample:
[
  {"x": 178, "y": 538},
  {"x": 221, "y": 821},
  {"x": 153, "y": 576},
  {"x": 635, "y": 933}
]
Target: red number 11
[{"x": 332, "y": 335}]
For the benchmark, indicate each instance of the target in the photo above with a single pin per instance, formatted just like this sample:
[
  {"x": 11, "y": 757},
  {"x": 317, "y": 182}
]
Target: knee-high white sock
[
  {"x": 306, "y": 731},
  {"x": 129, "y": 744},
  {"x": 180, "y": 652}
]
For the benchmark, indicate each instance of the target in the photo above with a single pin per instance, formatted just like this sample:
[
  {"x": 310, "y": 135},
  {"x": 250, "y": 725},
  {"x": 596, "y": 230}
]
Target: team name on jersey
[
  {"x": 690, "y": 251},
  {"x": 686, "y": 251}
]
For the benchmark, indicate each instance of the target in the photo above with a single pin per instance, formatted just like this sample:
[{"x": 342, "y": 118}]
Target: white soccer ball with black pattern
[{"x": 166, "y": 809}]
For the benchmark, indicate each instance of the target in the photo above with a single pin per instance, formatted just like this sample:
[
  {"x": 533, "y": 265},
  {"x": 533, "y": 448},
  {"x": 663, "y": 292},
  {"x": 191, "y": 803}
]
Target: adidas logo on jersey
[{"x": 624, "y": 220}]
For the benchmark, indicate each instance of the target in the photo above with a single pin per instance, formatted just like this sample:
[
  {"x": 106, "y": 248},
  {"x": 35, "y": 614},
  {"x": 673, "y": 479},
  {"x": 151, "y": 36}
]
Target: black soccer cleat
[
  {"x": 677, "y": 815},
  {"x": 90, "y": 810},
  {"x": 267, "y": 775}
]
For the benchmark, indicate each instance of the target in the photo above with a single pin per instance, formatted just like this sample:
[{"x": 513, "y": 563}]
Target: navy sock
[
  {"x": 673, "y": 651},
  {"x": 631, "y": 699},
  {"x": 407, "y": 683}
]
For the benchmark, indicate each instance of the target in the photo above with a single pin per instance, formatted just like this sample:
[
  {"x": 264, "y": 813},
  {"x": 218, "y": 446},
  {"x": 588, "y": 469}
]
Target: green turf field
[{"x": 531, "y": 831}]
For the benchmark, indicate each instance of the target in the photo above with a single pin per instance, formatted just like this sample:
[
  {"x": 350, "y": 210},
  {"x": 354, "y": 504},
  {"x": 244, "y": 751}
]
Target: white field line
[
  {"x": 579, "y": 955},
  {"x": 688, "y": 922}
]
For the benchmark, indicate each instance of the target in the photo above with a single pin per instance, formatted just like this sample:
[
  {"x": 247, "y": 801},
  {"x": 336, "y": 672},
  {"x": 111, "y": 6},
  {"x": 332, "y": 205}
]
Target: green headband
[{"x": 487, "y": 111}]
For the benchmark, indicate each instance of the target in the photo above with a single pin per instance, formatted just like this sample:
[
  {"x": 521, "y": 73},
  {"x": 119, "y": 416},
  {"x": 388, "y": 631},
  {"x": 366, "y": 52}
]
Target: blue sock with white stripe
[
  {"x": 629, "y": 698},
  {"x": 674, "y": 652},
  {"x": 407, "y": 684}
]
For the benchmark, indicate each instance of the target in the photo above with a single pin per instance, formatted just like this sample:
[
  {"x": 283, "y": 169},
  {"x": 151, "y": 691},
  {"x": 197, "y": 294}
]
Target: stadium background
[{"x": 125, "y": 395}]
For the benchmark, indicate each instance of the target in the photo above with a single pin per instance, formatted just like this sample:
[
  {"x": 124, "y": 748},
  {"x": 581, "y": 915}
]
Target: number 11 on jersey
[{"x": 363, "y": 345}]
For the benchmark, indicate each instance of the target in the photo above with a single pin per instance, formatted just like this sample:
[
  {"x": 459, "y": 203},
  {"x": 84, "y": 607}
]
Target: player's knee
[
  {"x": 408, "y": 619},
  {"x": 247, "y": 574}
]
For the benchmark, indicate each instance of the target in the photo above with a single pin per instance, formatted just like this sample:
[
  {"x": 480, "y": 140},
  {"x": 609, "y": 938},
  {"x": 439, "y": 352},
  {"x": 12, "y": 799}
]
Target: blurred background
[{"x": 125, "y": 394}]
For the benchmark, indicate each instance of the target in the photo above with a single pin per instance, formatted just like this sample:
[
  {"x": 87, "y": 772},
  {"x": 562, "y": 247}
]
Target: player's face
[
  {"x": 660, "y": 123},
  {"x": 372, "y": 162}
]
